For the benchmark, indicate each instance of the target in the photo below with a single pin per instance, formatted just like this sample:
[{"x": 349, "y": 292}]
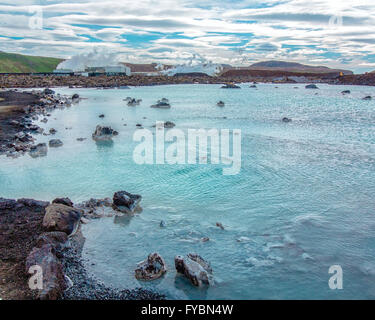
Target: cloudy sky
[{"x": 335, "y": 33}]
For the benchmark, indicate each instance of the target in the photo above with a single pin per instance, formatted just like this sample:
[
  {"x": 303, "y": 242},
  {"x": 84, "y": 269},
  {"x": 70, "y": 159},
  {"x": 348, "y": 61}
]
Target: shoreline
[
  {"x": 22, "y": 234},
  {"x": 48, "y": 81}
]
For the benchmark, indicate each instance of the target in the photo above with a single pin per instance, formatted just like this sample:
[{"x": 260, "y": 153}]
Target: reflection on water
[
  {"x": 123, "y": 220},
  {"x": 103, "y": 145}
]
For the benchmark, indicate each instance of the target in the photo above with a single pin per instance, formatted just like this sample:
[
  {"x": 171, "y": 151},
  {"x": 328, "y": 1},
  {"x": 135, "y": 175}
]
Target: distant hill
[
  {"x": 19, "y": 63},
  {"x": 293, "y": 67}
]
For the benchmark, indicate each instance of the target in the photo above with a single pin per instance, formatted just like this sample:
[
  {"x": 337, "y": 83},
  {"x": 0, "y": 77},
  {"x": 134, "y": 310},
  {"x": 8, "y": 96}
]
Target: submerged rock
[
  {"x": 55, "y": 143},
  {"x": 53, "y": 275},
  {"x": 221, "y": 104},
  {"x": 162, "y": 104},
  {"x": 169, "y": 125},
  {"x": 40, "y": 150},
  {"x": 253, "y": 86},
  {"x": 345, "y": 92},
  {"x": 126, "y": 202},
  {"x": 286, "y": 120},
  {"x": 220, "y": 225},
  {"x": 93, "y": 203},
  {"x": 101, "y": 116},
  {"x": 195, "y": 268},
  {"x": 60, "y": 217},
  {"x": 152, "y": 268},
  {"x": 104, "y": 133},
  {"x": 75, "y": 96},
  {"x": 230, "y": 86},
  {"x": 166, "y": 125},
  {"x": 311, "y": 86},
  {"x": 367, "y": 98}
]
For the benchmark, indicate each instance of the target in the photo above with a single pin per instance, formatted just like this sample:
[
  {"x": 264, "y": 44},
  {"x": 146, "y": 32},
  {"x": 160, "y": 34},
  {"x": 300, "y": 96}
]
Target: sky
[{"x": 333, "y": 33}]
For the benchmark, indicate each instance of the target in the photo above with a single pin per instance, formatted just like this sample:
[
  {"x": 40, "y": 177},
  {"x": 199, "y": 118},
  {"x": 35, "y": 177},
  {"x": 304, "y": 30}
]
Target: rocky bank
[{"x": 48, "y": 235}]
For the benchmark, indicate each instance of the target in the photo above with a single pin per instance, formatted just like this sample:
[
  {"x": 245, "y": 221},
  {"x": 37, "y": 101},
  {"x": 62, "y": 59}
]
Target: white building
[{"x": 117, "y": 69}]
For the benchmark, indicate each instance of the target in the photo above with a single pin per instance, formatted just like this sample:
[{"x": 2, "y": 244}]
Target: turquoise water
[{"x": 303, "y": 201}]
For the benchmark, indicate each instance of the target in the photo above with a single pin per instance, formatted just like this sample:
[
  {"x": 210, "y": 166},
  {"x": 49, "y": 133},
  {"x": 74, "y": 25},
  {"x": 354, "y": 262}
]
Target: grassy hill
[{"x": 18, "y": 63}]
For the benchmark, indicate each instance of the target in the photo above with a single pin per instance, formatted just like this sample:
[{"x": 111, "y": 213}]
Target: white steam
[
  {"x": 196, "y": 64},
  {"x": 96, "y": 58}
]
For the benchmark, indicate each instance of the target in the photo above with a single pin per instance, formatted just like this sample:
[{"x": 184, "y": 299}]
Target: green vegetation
[{"x": 18, "y": 63}]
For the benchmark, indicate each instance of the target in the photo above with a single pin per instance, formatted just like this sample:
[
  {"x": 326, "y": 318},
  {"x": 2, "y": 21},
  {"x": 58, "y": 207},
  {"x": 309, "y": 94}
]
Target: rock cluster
[
  {"x": 104, "y": 133},
  {"x": 162, "y": 104},
  {"x": 41, "y": 104},
  {"x": 132, "y": 102}
]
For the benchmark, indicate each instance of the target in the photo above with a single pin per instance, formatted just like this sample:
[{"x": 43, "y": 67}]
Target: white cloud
[{"x": 172, "y": 30}]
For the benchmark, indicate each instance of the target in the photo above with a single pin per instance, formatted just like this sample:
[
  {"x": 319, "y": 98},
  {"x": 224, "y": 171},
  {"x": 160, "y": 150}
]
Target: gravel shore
[{"x": 86, "y": 287}]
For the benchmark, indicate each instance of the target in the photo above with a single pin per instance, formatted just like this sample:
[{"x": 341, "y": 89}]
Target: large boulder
[
  {"x": 60, "y": 217},
  {"x": 55, "y": 143},
  {"x": 40, "y": 150},
  {"x": 152, "y": 268},
  {"x": 104, "y": 133},
  {"x": 195, "y": 268},
  {"x": 65, "y": 201},
  {"x": 126, "y": 202},
  {"x": 53, "y": 281}
]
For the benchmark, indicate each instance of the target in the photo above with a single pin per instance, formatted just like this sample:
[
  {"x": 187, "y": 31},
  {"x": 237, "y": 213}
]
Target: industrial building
[{"x": 97, "y": 71}]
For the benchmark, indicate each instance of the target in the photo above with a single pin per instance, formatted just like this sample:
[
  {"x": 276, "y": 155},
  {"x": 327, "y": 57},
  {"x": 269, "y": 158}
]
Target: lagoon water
[{"x": 303, "y": 201}]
